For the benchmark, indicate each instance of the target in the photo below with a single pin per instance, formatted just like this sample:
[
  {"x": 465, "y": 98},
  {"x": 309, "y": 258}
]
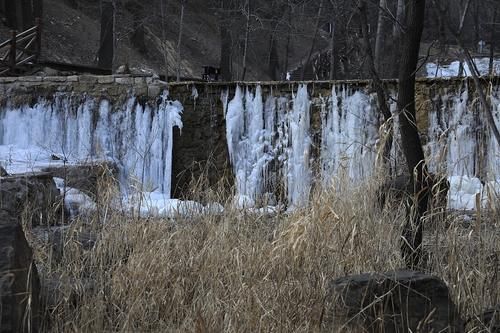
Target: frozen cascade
[
  {"x": 460, "y": 143},
  {"x": 350, "y": 125},
  {"x": 267, "y": 139},
  {"x": 138, "y": 138},
  {"x": 299, "y": 172},
  {"x": 248, "y": 140}
]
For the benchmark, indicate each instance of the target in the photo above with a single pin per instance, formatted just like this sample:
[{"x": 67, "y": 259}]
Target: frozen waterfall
[{"x": 137, "y": 137}]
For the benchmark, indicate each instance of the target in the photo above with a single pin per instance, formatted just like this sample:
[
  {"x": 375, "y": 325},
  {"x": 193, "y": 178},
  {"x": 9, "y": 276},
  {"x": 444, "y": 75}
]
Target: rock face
[
  {"x": 399, "y": 301},
  {"x": 19, "y": 283},
  {"x": 85, "y": 177},
  {"x": 34, "y": 193}
]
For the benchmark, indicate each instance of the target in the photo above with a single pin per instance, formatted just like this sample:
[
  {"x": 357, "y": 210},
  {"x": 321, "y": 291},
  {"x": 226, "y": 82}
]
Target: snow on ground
[
  {"x": 466, "y": 192},
  {"x": 75, "y": 201},
  {"x": 453, "y": 69},
  {"x": 17, "y": 159}
]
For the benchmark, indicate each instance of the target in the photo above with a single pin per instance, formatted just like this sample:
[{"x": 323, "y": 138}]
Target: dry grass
[{"x": 242, "y": 272}]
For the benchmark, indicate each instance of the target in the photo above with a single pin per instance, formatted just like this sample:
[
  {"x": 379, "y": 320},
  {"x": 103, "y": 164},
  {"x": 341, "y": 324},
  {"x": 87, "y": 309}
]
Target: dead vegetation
[{"x": 245, "y": 272}]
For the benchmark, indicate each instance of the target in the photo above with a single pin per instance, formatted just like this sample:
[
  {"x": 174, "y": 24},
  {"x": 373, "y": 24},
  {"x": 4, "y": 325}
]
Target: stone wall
[{"x": 201, "y": 147}]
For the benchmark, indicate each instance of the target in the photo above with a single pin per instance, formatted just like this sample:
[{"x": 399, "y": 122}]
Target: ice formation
[
  {"x": 137, "y": 137},
  {"x": 350, "y": 125},
  {"x": 248, "y": 140},
  {"x": 299, "y": 151},
  {"x": 270, "y": 140}
]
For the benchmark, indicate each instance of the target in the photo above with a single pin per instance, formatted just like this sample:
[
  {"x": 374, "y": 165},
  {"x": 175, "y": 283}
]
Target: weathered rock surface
[
  {"x": 85, "y": 177},
  {"x": 399, "y": 301},
  {"x": 19, "y": 284},
  {"x": 35, "y": 194}
]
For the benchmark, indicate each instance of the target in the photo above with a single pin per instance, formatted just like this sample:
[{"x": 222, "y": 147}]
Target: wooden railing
[{"x": 20, "y": 50}]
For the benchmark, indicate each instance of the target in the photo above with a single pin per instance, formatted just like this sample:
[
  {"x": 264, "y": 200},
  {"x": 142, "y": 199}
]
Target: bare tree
[
  {"x": 107, "y": 41},
  {"x": 225, "y": 40},
  {"x": 313, "y": 43},
  {"x": 247, "y": 33},
  {"x": 163, "y": 19},
  {"x": 379, "y": 38},
  {"x": 412, "y": 146},
  {"x": 382, "y": 95},
  {"x": 179, "y": 40}
]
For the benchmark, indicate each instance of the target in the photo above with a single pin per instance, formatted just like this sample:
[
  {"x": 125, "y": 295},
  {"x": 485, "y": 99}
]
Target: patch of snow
[
  {"x": 75, "y": 201},
  {"x": 453, "y": 69},
  {"x": 463, "y": 192}
]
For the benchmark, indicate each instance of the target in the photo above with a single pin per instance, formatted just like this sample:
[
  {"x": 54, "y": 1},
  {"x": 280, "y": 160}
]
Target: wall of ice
[
  {"x": 283, "y": 140},
  {"x": 270, "y": 138},
  {"x": 461, "y": 144},
  {"x": 137, "y": 137}
]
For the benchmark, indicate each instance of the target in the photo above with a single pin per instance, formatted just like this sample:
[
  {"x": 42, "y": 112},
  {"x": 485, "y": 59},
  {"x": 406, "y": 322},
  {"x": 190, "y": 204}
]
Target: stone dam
[{"x": 279, "y": 138}]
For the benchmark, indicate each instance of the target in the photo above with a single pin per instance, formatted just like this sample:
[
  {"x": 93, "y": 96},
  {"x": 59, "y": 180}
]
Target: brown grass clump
[{"x": 244, "y": 272}]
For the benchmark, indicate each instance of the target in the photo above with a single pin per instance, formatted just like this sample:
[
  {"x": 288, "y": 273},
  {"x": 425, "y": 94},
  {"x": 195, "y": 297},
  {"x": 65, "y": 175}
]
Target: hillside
[{"x": 71, "y": 35}]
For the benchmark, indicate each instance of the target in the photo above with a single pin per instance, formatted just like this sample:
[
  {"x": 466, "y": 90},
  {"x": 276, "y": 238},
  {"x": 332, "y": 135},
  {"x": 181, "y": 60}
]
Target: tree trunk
[
  {"x": 11, "y": 14},
  {"x": 38, "y": 9},
  {"x": 137, "y": 38},
  {"x": 245, "y": 48},
  {"x": 163, "y": 11},
  {"x": 179, "y": 41},
  {"x": 377, "y": 83},
  {"x": 492, "y": 41},
  {"x": 333, "y": 49},
  {"x": 288, "y": 36},
  {"x": 379, "y": 38},
  {"x": 313, "y": 44},
  {"x": 27, "y": 14},
  {"x": 225, "y": 42},
  {"x": 106, "y": 47},
  {"x": 273, "y": 65},
  {"x": 396, "y": 37},
  {"x": 412, "y": 147}
]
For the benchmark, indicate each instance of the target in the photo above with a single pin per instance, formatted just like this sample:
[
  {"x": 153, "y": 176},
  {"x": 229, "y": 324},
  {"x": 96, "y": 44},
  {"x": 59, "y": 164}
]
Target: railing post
[
  {"x": 13, "y": 51},
  {"x": 38, "y": 44}
]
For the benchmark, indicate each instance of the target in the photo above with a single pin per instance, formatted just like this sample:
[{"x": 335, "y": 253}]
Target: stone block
[
  {"x": 124, "y": 80},
  {"x": 32, "y": 78},
  {"x": 139, "y": 80},
  {"x": 87, "y": 78},
  {"x": 8, "y": 79},
  {"x": 72, "y": 78},
  {"x": 154, "y": 91},
  {"x": 398, "y": 301},
  {"x": 19, "y": 283},
  {"x": 33, "y": 193},
  {"x": 105, "y": 79},
  {"x": 49, "y": 79}
]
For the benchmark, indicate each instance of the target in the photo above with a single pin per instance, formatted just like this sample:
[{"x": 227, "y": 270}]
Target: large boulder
[
  {"x": 19, "y": 283},
  {"x": 35, "y": 194},
  {"x": 85, "y": 177},
  {"x": 398, "y": 301}
]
